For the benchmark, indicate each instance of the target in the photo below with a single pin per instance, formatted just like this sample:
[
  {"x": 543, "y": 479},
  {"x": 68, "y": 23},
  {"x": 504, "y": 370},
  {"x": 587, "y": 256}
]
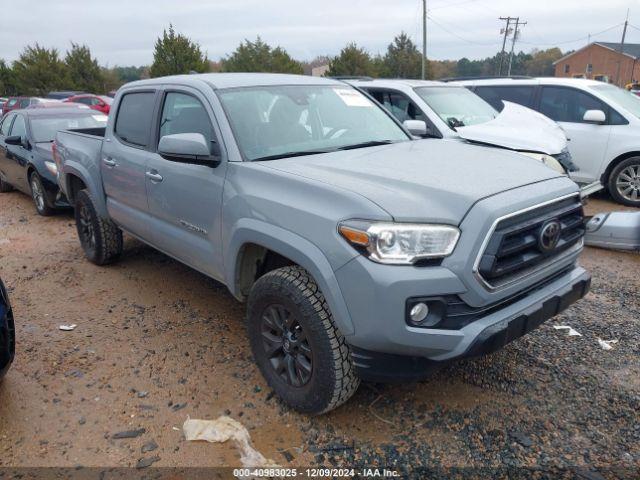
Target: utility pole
[
  {"x": 424, "y": 38},
  {"x": 505, "y": 30},
  {"x": 624, "y": 34},
  {"x": 513, "y": 42}
]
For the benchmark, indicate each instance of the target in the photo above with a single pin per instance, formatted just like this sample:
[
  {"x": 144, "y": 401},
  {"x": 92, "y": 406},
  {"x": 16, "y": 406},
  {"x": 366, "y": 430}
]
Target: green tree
[
  {"x": 84, "y": 72},
  {"x": 259, "y": 56},
  {"x": 352, "y": 60},
  {"x": 39, "y": 70},
  {"x": 541, "y": 62},
  {"x": 175, "y": 54},
  {"x": 7, "y": 80},
  {"x": 403, "y": 60}
]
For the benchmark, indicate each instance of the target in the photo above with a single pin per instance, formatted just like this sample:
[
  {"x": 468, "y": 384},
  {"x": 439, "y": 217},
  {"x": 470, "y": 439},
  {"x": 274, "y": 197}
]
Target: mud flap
[{"x": 615, "y": 230}]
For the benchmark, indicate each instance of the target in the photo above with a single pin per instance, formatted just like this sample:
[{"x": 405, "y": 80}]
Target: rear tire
[
  {"x": 624, "y": 182},
  {"x": 100, "y": 238},
  {"x": 298, "y": 349},
  {"x": 5, "y": 187},
  {"x": 39, "y": 196}
]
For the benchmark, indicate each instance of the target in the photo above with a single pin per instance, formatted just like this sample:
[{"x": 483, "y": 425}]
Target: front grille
[{"x": 521, "y": 243}]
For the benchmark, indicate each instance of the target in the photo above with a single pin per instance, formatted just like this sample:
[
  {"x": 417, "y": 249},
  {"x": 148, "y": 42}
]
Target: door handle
[
  {"x": 154, "y": 177},
  {"x": 109, "y": 162}
]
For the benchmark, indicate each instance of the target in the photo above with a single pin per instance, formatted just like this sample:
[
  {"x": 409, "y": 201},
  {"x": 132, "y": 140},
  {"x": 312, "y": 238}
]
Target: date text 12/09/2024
[{"x": 314, "y": 472}]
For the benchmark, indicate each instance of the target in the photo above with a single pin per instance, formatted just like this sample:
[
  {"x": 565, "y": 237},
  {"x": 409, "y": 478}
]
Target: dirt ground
[{"x": 156, "y": 342}]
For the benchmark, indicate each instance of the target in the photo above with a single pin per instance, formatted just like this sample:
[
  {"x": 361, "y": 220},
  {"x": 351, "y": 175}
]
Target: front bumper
[{"x": 483, "y": 337}]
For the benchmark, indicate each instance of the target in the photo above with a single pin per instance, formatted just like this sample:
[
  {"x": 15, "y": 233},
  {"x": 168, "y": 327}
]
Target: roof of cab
[{"x": 234, "y": 80}]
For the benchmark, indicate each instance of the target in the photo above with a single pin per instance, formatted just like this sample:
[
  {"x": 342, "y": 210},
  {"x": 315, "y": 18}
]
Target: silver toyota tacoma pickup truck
[{"x": 361, "y": 253}]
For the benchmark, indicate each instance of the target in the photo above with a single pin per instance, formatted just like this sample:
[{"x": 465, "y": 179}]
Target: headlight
[
  {"x": 548, "y": 160},
  {"x": 400, "y": 243}
]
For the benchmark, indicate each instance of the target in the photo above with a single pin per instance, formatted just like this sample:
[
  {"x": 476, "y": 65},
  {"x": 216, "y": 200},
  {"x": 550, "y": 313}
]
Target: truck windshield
[
  {"x": 457, "y": 106},
  {"x": 44, "y": 128},
  {"x": 627, "y": 100},
  {"x": 283, "y": 121}
]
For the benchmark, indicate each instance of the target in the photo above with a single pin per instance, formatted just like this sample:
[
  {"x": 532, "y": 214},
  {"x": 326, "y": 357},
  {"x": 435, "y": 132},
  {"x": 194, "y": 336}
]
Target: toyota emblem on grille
[{"x": 549, "y": 236}]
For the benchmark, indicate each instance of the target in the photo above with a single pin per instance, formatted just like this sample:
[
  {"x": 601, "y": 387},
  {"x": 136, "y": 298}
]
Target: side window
[
  {"x": 6, "y": 123},
  {"x": 135, "y": 115},
  {"x": 25, "y": 102},
  {"x": 568, "y": 104},
  {"x": 398, "y": 104},
  {"x": 19, "y": 127},
  {"x": 182, "y": 113},
  {"x": 494, "y": 95}
]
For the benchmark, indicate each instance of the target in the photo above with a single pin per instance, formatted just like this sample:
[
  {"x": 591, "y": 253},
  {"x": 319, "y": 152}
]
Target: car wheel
[
  {"x": 297, "y": 347},
  {"x": 5, "y": 187},
  {"x": 100, "y": 238},
  {"x": 7, "y": 342},
  {"x": 624, "y": 182},
  {"x": 39, "y": 196}
]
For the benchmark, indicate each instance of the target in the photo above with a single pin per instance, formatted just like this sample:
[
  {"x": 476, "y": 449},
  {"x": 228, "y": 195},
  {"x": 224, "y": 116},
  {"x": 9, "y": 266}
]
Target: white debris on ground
[
  {"x": 606, "y": 344},
  {"x": 68, "y": 328},
  {"x": 572, "y": 332},
  {"x": 226, "y": 428}
]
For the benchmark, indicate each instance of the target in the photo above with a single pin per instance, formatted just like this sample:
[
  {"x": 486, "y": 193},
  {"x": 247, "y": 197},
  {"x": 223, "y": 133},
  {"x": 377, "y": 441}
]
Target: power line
[
  {"x": 576, "y": 39},
  {"x": 451, "y": 32}
]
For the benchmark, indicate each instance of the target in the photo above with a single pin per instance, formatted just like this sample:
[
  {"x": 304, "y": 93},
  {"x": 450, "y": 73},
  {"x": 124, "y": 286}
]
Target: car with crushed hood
[{"x": 431, "y": 109}]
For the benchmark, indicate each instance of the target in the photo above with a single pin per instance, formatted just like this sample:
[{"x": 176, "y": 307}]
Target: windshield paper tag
[{"x": 352, "y": 98}]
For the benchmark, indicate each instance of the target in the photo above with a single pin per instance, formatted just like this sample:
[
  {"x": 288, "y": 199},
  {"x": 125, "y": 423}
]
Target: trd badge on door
[{"x": 192, "y": 227}]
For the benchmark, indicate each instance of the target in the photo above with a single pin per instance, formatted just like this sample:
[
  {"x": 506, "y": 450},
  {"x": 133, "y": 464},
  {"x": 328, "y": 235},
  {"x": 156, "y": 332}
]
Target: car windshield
[
  {"x": 616, "y": 95},
  {"x": 283, "y": 121},
  {"x": 457, "y": 106},
  {"x": 44, "y": 128}
]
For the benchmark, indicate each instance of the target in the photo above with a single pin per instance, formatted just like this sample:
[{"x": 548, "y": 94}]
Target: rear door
[
  {"x": 587, "y": 141},
  {"x": 124, "y": 157},
  {"x": 185, "y": 198}
]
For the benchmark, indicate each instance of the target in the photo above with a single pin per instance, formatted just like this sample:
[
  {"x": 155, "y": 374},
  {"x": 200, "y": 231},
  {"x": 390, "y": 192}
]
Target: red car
[
  {"x": 15, "y": 103},
  {"x": 101, "y": 103}
]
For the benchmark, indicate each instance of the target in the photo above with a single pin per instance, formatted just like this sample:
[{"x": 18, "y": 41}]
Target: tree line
[{"x": 39, "y": 70}]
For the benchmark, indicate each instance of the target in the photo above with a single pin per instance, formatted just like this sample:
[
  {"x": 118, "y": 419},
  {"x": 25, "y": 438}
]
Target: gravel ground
[{"x": 156, "y": 342}]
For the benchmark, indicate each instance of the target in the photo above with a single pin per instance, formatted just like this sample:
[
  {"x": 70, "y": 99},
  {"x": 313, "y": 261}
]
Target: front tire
[
  {"x": 624, "y": 182},
  {"x": 100, "y": 238},
  {"x": 39, "y": 196},
  {"x": 297, "y": 347}
]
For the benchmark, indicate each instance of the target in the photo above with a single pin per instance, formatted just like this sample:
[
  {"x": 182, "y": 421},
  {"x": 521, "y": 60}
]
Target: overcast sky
[{"x": 123, "y": 32}]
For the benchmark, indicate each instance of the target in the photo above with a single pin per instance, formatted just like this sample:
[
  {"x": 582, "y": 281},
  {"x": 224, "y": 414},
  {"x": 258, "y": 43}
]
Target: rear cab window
[
  {"x": 495, "y": 94},
  {"x": 135, "y": 117}
]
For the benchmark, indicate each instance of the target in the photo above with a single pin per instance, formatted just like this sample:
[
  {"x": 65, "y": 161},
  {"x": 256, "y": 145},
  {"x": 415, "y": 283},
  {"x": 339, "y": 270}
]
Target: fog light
[{"x": 419, "y": 312}]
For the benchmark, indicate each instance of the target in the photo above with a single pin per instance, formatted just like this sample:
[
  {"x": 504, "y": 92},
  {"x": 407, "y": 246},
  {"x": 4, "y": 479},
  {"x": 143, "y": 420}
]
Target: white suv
[{"x": 602, "y": 123}]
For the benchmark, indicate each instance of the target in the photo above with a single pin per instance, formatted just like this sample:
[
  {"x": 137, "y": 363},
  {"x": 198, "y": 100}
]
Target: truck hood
[
  {"x": 518, "y": 128},
  {"x": 420, "y": 181}
]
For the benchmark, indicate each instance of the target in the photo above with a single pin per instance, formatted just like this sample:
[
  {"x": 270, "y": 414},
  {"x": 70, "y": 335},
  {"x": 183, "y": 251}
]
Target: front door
[
  {"x": 587, "y": 141},
  {"x": 5, "y": 127},
  {"x": 17, "y": 156},
  {"x": 124, "y": 159},
  {"x": 185, "y": 198}
]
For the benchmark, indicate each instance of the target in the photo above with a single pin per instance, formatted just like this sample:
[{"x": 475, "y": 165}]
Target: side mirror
[
  {"x": 13, "y": 140},
  {"x": 594, "y": 116},
  {"x": 186, "y": 146},
  {"x": 416, "y": 127}
]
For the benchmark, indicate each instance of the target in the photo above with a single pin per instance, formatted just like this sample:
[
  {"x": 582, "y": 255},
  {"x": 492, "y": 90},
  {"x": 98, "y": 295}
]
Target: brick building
[{"x": 600, "y": 60}]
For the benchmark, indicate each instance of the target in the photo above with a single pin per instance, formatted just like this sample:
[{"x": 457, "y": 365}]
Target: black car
[
  {"x": 64, "y": 94},
  {"x": 26, "y": 156},
  {"x": 7, "y": 332}
]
